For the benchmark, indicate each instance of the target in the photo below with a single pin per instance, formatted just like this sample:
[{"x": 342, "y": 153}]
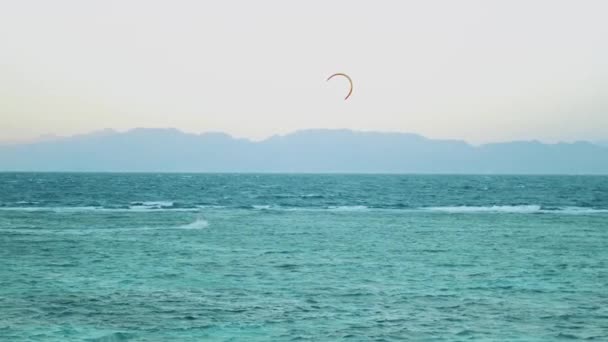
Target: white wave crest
[
  {"x": 151, "y": 205},
  {"x": 97, "y": 209},
  {"x": 496, "y": 209},
  {"x": 516, "y": 209},
  {"x": 348, "y": 208},
  {"x": 53, "y": 209},
  {"x": 262, "y": 207},
  {"x": 199, "y": 223},
  {"x": 579, "y": 211}
]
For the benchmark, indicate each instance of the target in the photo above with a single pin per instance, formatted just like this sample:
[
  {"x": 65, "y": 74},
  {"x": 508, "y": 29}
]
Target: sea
[{"x": 302, "y": 257}]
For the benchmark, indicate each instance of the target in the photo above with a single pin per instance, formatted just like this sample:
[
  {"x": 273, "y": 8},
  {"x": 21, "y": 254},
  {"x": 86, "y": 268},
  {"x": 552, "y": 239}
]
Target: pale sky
[{"x": 478, "y": 70}]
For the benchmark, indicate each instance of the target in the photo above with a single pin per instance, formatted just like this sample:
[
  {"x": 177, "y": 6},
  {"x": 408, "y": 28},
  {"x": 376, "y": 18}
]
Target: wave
[
  {"x": 495, "y": 209},
  {"x": 27, "y": 202},
  {"x": 348, "y": 208},
  {"x": 99, "y": 209},
  {"x": 53, "y": 209},
  {"x": 175, "y": 207},
  {"x": 154, "y": 203},
  {"x": 517, "y": 209},
  {"x": 578, "y": 210},
  {"x": 262, "y": 207},
  {"x": 312, "y": 196},
  {"x": 199, "y": 223},
  {"x": 151, "y": 205}
]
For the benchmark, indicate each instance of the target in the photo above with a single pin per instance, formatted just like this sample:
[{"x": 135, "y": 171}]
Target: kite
[{"x": 349, "y": 81}]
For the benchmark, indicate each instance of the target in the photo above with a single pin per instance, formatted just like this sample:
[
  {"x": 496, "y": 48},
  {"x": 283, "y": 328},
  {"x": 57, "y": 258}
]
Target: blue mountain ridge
[{"x": 305, "y": 151}]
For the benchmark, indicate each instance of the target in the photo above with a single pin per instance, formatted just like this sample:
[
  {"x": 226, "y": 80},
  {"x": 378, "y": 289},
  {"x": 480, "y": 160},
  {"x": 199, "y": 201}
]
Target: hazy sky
[{"x": 476, "y": 70}]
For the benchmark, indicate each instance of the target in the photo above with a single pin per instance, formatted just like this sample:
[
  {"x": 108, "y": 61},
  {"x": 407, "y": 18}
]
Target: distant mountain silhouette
[{"x": 318, "y": 150}]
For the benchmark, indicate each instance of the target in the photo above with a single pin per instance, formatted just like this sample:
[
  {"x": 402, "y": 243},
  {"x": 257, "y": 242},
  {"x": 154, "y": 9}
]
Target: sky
[{"x": 478, "y": 70}]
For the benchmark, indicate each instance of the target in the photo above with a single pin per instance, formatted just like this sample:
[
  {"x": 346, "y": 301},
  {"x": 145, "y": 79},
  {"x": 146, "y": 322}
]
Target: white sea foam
[
  {"x": 145, "y": 209},
  {"x": 518, "y": 209},
  {"x": 521, "y": 209},
  {"x": 502, "y": 209},
  {"x": 199, "y": 223},
  {"x": 95, "y": 209},
  {"x": 54, "y": 209},
  {"x": 580, "y": 211},
  {"x": 158, "y": 203},
  {"x": 151, "y": 204},
  {"x": 261, "y": 207},
  {"x": 211, "y": 207},
  {"x": 348, "y": 208}
]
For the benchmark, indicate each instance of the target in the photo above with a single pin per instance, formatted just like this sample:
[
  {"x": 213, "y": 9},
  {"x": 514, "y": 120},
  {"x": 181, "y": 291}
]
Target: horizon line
[{"x": 429, "y": 174}]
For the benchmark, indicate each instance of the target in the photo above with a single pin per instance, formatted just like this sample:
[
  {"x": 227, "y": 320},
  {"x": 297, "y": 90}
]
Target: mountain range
[{"x": 306, "y": 151}]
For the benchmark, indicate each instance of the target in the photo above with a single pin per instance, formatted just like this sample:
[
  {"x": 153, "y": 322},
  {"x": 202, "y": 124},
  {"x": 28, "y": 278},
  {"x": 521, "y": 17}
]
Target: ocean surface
[{"x": 246, "y": 257}]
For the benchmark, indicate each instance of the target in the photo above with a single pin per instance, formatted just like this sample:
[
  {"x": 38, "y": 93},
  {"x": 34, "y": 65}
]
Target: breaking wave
[
  {"x": 199, "y": 223},
  {"x": 348, "y": 208},
  {"x": 176, "y": 207},
  {"x": 76, "y": 209},
  {"x": 517, "y": 209}
]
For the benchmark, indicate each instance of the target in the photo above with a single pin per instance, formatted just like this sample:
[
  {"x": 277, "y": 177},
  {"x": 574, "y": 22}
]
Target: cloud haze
[{"x": 478, "y": 70}]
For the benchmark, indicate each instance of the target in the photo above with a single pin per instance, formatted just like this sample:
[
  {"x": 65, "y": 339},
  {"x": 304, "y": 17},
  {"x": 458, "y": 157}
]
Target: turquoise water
[{"x": 229, "y": 257}]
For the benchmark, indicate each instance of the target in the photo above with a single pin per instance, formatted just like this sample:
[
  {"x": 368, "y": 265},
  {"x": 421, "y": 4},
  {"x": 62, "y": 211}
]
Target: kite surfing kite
[{"x": 349, "y": 81}]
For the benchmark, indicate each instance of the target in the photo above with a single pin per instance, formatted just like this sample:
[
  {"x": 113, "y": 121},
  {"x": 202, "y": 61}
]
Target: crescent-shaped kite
[{"x": 349, "y": 81}]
